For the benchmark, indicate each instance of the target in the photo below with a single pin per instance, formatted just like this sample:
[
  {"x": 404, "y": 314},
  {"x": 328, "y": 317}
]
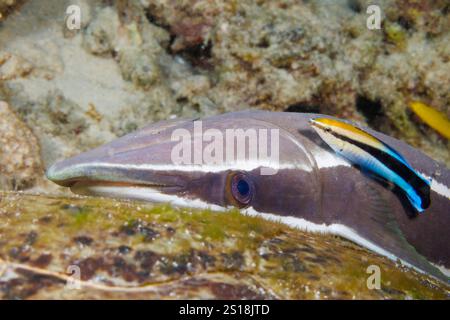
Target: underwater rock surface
[
  {"x": 7, "y": 6},
  {"x": 20, "y": 160},
  {"x": 72, "y": 248}
]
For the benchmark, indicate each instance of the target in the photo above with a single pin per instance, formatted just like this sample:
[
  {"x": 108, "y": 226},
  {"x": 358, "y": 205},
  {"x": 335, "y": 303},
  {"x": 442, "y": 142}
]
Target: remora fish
[{"x": 313, "y": 188}]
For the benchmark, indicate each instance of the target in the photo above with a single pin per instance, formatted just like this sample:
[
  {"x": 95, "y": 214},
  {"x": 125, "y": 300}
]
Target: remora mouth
[
  {"x": 88, "y": 178},
  {"x": 146, "y": 192}
]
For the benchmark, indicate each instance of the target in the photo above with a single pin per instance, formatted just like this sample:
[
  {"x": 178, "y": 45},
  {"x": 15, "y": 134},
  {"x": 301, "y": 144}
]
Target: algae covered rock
[
  {"x": 20, "y": 160},
  {"x": 74, "y": 248}
]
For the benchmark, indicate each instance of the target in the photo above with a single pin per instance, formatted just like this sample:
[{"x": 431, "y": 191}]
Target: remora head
[{"x": 218, "y": 162}]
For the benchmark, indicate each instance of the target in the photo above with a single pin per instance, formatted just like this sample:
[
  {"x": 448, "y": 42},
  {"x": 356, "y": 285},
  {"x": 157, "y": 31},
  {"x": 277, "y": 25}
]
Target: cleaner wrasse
[
  {"x": 374, "y": 156},
  {"x": 303, "y": 183}
]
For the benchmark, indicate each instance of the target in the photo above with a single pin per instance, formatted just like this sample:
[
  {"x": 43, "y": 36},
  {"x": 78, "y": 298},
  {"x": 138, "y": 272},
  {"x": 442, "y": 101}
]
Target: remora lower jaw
[{"x": 121, "y": 190}]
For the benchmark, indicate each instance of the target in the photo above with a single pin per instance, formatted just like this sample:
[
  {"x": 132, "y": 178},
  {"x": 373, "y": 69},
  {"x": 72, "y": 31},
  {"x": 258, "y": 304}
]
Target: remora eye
[{"x": 241, "y": 189}]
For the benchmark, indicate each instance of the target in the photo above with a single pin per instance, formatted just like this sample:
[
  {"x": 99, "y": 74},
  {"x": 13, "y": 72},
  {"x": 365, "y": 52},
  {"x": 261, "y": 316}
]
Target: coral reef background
[{"x": 134, "y": 62}]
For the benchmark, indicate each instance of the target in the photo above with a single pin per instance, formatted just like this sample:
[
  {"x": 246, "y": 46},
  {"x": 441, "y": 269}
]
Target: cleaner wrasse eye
[
  {"x": 311, "y": 187},
  {"x": 372, "y": 155}
]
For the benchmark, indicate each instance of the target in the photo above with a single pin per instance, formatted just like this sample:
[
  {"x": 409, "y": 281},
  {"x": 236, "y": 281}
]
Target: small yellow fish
[{"x": 435, "y": 119}]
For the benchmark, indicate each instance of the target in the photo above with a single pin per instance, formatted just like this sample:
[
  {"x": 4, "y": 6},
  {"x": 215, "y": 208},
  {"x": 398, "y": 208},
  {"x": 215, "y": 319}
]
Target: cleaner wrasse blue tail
[{"x": 372, "y": 155}]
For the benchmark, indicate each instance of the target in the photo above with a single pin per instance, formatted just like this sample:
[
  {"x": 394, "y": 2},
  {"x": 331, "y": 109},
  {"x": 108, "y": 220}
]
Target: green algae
[
  {"x": 81, "y": 216},
  {"x": 119, "y": 244},
  {"x": 395, "y": 34}
]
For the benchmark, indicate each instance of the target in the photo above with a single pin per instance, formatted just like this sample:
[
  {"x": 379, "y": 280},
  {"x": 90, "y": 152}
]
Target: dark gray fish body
[{"x": 313, "y": 188}]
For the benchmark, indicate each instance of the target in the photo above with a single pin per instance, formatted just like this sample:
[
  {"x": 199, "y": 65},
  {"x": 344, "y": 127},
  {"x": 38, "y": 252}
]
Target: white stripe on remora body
[
  {"x": 237, "y": 165},
  {"x": 438, "y": 187},
  {"x": 149, "y": 194},
  {"x": 327, "y": 161}
]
